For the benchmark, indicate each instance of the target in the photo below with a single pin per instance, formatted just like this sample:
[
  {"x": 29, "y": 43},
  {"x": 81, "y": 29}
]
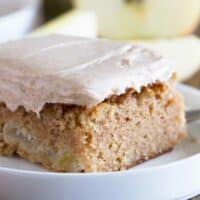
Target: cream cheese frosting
[{"x": 73, "y": 70}]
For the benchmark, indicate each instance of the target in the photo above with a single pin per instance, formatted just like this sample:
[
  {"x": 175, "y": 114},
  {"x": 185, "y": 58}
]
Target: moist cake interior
[{"x": 116, "y": 134}]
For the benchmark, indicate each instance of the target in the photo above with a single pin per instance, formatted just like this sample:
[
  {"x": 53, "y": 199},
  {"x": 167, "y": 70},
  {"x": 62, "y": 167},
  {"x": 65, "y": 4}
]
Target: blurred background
[{"x": 169, "y": 26}]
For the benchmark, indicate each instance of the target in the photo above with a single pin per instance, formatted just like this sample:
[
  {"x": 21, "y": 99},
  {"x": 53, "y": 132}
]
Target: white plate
[{"x": 175, "y": 175}]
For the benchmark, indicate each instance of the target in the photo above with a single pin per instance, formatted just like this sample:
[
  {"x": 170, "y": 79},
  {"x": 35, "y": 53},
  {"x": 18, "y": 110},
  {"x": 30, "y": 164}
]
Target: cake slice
[{"x": 83, "y": 105}]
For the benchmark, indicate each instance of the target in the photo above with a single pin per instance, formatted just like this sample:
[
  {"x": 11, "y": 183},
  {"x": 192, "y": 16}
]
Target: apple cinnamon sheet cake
[{"x": 83, "y": 105}]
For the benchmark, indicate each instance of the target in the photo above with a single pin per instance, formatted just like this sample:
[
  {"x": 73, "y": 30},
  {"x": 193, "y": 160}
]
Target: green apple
[
  {"x": 126, "y": 19},
  {"x": 75, "y": 22}
]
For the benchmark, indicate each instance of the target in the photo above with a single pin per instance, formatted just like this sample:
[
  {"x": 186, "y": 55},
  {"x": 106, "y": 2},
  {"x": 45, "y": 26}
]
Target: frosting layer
[{"x": 71, "y": 70}]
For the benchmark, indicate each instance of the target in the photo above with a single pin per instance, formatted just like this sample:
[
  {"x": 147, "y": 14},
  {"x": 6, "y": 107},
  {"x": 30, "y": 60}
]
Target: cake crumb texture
[{"x": 116, "y": 134}]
